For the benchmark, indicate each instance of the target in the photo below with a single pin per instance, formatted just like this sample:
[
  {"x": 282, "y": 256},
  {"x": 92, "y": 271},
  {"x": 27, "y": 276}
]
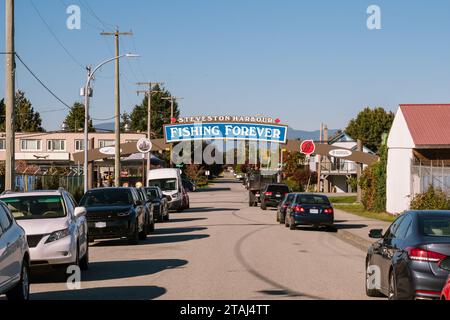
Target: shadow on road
[
  {"x": 208, "y": 209},
  {"x": 151, "y": 239},
  {"x": 173, "y": 220},
  {"x": 105, "y": 293},
  {"x": 112, "y": 270},
  {"x": 178, "y": 230},
  {"x": 214, "y": 189}
]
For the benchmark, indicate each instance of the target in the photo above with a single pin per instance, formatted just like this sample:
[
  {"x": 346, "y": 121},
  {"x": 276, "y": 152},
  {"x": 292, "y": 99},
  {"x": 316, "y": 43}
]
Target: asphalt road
[{"x": 219, "y": 249}]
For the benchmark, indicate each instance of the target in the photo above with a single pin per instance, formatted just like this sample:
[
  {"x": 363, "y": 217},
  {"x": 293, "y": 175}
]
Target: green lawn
[
  {"x": 343, "y": 199},
  {"x": 359, "y": 210}
]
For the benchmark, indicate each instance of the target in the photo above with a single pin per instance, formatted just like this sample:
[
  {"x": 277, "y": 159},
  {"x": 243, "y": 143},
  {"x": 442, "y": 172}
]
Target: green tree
[
  {"x": 75, "y": 119},
  {"x": 369, "y": 126},
  {"x": 160, "y": 114},
  {"x": 125, "y": 120},
  {"x": 26, "y": 119}
]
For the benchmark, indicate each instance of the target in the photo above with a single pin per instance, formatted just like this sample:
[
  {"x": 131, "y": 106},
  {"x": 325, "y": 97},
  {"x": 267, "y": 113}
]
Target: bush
[{"x": 432, "y": 199}]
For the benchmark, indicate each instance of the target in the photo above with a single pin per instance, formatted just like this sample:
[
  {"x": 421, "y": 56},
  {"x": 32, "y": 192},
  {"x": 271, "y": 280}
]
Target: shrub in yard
[{"x": 432, "y": 199}]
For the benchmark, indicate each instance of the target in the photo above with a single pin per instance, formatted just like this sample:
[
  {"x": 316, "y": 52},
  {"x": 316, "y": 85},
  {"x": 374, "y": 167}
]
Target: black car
[
  {"x": 160, "y": 203},
  {"x": 272, "y": 195},
  {"x": 149, "y": 209},
  {"x": 405, "y": 263},
  {"x": 115, "y": 213},
  {"x": 189, "y": 185},
  {"x": 310, "y": 209},
  {"x": 282, "y": 207}
]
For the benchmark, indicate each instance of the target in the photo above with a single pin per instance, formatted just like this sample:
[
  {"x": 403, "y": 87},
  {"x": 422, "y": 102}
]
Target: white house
[{"x": 418, "y": 153}]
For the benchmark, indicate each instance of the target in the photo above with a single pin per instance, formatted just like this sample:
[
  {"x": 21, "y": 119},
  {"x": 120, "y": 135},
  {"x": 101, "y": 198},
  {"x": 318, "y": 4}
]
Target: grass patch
[
  {"x": 358, "y": 209},
  {"x": 343, "y": 199}
]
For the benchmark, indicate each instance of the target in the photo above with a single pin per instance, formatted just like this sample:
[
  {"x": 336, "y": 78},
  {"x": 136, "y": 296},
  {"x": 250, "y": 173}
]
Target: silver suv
[{"x": 14, "y": 258}]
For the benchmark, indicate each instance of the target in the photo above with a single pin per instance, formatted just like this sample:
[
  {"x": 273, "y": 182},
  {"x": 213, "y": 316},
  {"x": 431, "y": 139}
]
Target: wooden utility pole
[
  {"x": 326, "y": 183},
  {"x": 149, "y": 94},
  {"x": 117, "y": 170},
  {"x": 319, "y": 161},
  {"x": 172, "y": 101},
  {"x": 10, "y": 70},
  {"x": 359, "y": 172}
]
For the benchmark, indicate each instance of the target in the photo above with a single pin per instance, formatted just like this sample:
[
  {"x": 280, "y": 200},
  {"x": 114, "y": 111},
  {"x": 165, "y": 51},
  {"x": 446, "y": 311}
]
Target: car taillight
[
  {"x": 268, "y": 193},
  {"x": 285, "y": 206},
  {"x": 328, "y": 211},
  {"x": 424, "y": 255},
  {"x": 299, "y": 209}
]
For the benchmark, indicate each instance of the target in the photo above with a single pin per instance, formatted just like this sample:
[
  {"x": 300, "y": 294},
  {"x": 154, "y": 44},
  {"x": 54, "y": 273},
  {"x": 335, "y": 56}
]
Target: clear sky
[{"x": 306, "y": 62}]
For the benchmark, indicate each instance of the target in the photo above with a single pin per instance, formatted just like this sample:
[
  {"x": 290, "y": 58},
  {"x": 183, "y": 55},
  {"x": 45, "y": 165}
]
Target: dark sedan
[
  {"x": 160, "y": 203},
  {"x": 115, "y": 213},
  {"x": 310, "y": 209},
  {"x": 282, "y": 208},
  {"x": 407, "y": 261},
  {"x": 272, "y": 195}
]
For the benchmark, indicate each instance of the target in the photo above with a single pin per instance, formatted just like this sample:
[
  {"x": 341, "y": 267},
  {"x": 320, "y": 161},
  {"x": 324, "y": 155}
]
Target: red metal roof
[{"x": 429, "y": 124}]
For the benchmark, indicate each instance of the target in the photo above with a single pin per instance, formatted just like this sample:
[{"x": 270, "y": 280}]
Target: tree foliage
[
  {"x": 26, "y": 119},
  {"x": 160, "y": 113},
  {"x": 432, "y": 199},
  {"x": 369, "y": 126},
  {"x": 75, "y": 119}
]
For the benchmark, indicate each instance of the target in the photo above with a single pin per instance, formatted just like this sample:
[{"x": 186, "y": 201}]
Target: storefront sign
[
  {"x": 235, "y": 119},
  {"x": 226, "y": 131},
  {"x": 144, "y": 145},
  {"x": 307, "y": 147},
  {"x": 340, "y": 153}
]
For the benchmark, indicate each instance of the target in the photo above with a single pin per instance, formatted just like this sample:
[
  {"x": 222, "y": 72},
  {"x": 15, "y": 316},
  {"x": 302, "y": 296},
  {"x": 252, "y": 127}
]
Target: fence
[{"x": 436, "y": 174}]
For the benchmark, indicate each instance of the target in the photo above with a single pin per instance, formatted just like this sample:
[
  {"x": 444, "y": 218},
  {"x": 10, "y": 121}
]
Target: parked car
[
  {"x": 185, "y": 199},
  {"x": 282, "y": 207},
  {"x": 149, "y": 210},
  {"x": 115, "y": 213},
  {"x": 408, "y": 258},
  {"x": 189, "y": 185},
  {"x": 310, "y": 209},
  {"x": 169, "y": 180},
  {"x": 14, "y": 258},
  {"x": 56, "y": 229},
  {"x": 272, "y": 194},
  {"x": 160, "y": 203}
]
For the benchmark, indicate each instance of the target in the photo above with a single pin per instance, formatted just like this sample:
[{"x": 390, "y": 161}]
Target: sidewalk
[{"x": 355, "y": 229}]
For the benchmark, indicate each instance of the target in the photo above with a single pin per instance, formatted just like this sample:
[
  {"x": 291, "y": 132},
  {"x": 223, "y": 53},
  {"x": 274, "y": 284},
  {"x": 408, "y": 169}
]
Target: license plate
[
  {"x": 100, "y": 225},
  {"x": 314, "y": 211},
  {"x": 278, "y": 195}
]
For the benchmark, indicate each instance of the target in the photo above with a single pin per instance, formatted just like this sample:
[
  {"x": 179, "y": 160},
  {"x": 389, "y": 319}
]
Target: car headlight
[
  {"x": 57, "y": 235},
  {"x": 175, "y": 195}
]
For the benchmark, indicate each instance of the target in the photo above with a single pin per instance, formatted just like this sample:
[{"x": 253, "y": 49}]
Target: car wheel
[
  {"x": 278, "y": 216},
  {"x": 392, "y": 287},
  {"x": 84, "y": 262},
  {"x": 282, "y": 218},
  {"x": 133, "y": 239},
  {"x": 152, "y": 226},
  {"x": 286, "y": 222},
  {"x": 21, "y": 292},
  {"x": 167, "y": 218},
  {"x": 374, "y": 293},
  {"x": 143, "y": 234}
]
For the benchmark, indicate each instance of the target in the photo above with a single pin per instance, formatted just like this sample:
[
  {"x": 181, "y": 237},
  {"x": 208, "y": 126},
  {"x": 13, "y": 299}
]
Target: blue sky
[{"x": 306, "y": 62}]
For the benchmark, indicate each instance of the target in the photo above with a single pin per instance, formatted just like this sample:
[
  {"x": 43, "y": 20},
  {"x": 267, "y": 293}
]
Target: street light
[{"x": 87, "y": 93}]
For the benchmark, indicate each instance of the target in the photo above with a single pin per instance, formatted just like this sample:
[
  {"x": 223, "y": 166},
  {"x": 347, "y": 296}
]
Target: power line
[
  {"x": 42, "y": 83},
  {"x": 92, "y": 12},
  {"x": 55, "y": 36}
]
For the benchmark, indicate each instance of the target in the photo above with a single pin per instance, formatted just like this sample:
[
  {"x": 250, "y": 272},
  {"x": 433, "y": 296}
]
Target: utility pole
[
  {"x": 172, "y": 102},
  {"x": 117, "y": 170},
  {"x": 319, "y": 161},
  {"x": 149, "y": 93},
  {"x": 359, "y": 170},
  {"x": 10, "y": 69}
]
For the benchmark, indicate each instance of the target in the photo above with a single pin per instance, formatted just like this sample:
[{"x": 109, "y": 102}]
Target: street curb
[{"x": 354, "y": 240}]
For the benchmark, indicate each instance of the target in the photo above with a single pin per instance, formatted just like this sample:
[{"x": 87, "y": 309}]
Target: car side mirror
[
  {"x": 445, "y": 264},
  {"x": 376, "y": 233},
  {"x": 80, "y": 212},
  {"x": 138, "y": 202}
]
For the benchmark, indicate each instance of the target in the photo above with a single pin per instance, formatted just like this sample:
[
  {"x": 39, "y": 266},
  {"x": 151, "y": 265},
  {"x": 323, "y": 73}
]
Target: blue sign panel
[{"x": 225, "y": 130}]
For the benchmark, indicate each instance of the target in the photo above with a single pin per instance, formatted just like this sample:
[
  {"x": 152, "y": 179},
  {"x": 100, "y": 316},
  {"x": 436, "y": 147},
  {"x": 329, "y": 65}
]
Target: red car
[{"x": 446, "y": 292}]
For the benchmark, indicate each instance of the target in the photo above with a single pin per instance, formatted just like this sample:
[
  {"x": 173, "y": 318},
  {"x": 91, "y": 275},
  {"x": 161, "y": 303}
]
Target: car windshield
[
  {"x": 164, "y": 184},
  {"x": 435, "y": 226},
  {"x": 107, "y": 197},
  {"x": 280, "y": 189},
  {"x": 312, "y": 199},
  {"x": 36, "y": 207},
  {"x": 151, "y": 193}
]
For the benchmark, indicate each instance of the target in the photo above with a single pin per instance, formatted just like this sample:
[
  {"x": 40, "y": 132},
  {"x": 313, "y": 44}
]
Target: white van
[{"x": 169, "y": 180}]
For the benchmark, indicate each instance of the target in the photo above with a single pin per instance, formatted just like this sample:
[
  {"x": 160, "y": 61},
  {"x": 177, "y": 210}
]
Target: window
[
  {"x": 30, "y": 145},
  {"x": 2, "y": 144},
  {"x": 106, "y": 143},
  {"x": 36, "y": 207},
  {"x": 403, "y": 228},
  {"x": 56, "y": 145},
  {"x": 5, "y": 221},
  {"x": 79, "y": 145}
]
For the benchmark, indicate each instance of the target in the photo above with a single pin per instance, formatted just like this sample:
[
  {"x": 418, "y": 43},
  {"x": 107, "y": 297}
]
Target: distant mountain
[
  {"x": 107, "y": 126},
  {"x": 294, "y": 134}
]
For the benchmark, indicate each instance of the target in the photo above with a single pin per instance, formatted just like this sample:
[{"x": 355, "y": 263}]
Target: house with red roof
[{"x": 418, "y": 153}]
